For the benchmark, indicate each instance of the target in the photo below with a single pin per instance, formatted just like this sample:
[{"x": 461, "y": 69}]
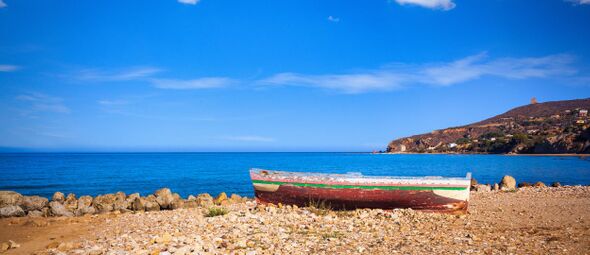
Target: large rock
[
  {"x": 34, "y": 203},
  {"x": 104, "y": 203},
  {"x": 11, "y": 211},
  {"x": 58, "y": 197},
  {"x": 473, "y": 183},
  {"x": 508, "y": 183},
  {"x": 205, "y": 200},
  {"x": 220, "y": 198},
  {"x": 524, "y": 185},
  {"x": 177, "y": 201},
  {"x": 71, "y": 203},
  {"x": 10, "y": 198},
  {"x": 164, "y": 198},
  {"x": 84, "y": 206},
  {"x": 555, "y": 184},
  {"x": 151, "y": 204},
  {"x": 120, "y": 204},
  {"x": 58, "y": 209},
  {"x": 138, "y": 204},
  {"x": 130, "y": 199},
  {"x": 539, "y": 184}
]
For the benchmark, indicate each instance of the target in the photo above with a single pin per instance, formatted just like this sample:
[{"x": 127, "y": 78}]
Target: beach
[{"x": 531, "y": 220}]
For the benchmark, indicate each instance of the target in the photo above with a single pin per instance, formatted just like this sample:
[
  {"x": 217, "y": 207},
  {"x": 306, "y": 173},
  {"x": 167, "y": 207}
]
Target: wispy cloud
[
  {"x": 249, "y": 138},
  {"x": 129, "y": 74},
  {"x": 200, "y": 83},
  {"x": 38, "y": 102},
  {"x": 333, "y": 19},
  {"x": 107, "y": 102},
  {"x": 192, "y": 2},
  {"x": 432, "y": 4},
  {"x": 2, "y": 4},
  {"x": 579, "y": 1},
  {"x": 8, "y": 68},
  {"x": 401, "y": 75}
]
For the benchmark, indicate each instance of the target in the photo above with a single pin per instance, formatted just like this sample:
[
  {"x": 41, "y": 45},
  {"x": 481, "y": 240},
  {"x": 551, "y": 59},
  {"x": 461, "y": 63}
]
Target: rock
[
  {"x": 482, "y": 188},
  {"x": 120, "y": 204},
  {"x": 11, "y": 211},
  {"x": 4, "y": 246},
  {"x": 58, "y": 209},
  {"x": 496, "y": 187},
  {"x": 151, "y": 204},
  {"x": 220, "y": 198},
  {"x": 71, "y": 203},
  {"x": 164, "y": 198},
  {"x": 473, "y": 183},
  {"x": 508, "y": 183},
  {"x": 539, "y": 184},
  {"x": 177, "y": 201},
  {"x": 67, "y": 246},
  {"x": 58, "y": 197},
  {"x": 555, "y": 184},
  {"x": 130, "y": 199},
  {"x": 84, "y": 206},
  {"x": 35, "y": 214},
  {"x": 104, "y": 203},
  {"x": 191, "y": 198},
  {"x": 10, "y": 198},
  {"x": 34, "y": 203},
  {"x": 524, "y": 185},
  {"x": 205, "y": 200},
  {"x": 235, "y": 198},
  {"x": 138, "y": 204},
  {"x": 190, "y": 204}
]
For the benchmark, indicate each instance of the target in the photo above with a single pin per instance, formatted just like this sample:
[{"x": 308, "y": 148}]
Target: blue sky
[{"x": 276, "y": 75}]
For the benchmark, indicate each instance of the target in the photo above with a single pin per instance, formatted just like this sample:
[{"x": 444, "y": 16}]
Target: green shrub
[{"x": 216, "y": 211}]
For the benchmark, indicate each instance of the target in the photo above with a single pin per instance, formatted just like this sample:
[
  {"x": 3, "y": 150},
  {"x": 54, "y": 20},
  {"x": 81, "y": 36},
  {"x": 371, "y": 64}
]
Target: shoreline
[
  {"x": 530, "y": 220},
  {"x": 505, "y": 154}
]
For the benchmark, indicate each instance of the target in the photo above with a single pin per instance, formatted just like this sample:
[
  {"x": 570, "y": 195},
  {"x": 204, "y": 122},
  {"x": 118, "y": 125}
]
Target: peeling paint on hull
[
  {"x": 358, "y": 198},
  {"x": 450, "y": 195}
]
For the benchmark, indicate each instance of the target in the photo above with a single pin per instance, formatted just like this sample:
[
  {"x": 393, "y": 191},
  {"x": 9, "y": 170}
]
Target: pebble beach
[{"x": 528, "y": 220}]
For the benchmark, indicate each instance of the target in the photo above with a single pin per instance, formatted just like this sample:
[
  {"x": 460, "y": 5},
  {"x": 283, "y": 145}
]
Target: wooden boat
[{"x": 354, "y": 190}]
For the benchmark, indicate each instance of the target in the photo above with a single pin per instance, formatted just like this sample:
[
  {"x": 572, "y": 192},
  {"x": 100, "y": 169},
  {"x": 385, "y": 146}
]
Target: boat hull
[
  {"x": 345, "y": 199},
  {"x": 352, "y": 193}
]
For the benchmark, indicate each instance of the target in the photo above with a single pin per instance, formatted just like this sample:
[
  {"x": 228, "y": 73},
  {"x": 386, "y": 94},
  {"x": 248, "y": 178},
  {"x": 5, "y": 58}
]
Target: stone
[
  {"x": 138, "y": 204},
  {"x": 220, "y": 198},
  {"x": 177, "y": 201},
  {"x": 164, "y": 198},
  {"x": 120, "y": 204},
  {"x": 34, "y": 203},
  {"x": 191, "y": 198},
  {"x": 104, "y": 203},
  {"x": 35, "y": 214},
  {"x": 496, "y": 187},
  {"x": 482, "y": 188},
  {"x": 235, "y": 198},
  {"x": 539, "y": 184},
  {"x": 508, "y": 183},
  {"x": 205, "y": 200},
  {"x": 151, "y": 204},
  {"x": 473, "y": 183},
  {"x": 11, "y": 211},
  {"x": 10, "y": 198},
  {"x": 524, "y": 185},
  {"x": 58, "y": 209},
  {"x": 68, "y": 246},
  {"x": 84, "y": 206},
  {"x": 58, "y": 197},
  {"x": 4, "y": 246},
  {"x": 130, "y": 199},
  {"x": 71, "y": 203},
  {"x": 555, "y": 184}
]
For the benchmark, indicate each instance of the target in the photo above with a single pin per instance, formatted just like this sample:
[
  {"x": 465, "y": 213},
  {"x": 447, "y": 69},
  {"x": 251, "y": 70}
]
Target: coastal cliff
[{"x": 537, "y": 128}]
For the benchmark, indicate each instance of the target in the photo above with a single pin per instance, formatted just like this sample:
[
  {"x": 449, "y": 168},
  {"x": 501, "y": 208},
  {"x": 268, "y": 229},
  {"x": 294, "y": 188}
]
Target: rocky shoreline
[{"x": 532, "y": 219}]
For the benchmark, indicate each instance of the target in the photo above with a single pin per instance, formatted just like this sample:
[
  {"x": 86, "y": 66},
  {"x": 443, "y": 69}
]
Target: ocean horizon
[{"x": 94, "y": 173}]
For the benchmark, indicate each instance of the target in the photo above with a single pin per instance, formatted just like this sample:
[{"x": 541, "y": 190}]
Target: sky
[{"x": 204, "y": 75}]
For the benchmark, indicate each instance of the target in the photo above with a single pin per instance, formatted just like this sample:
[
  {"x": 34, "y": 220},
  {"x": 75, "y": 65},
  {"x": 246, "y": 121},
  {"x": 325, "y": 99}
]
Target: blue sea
[{"x": 193, "y": 173}]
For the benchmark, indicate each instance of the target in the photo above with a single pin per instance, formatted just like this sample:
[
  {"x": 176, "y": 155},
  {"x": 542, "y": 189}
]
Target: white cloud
[
  {"x": 8, "y": 68},
  {"x": 122, "y": 75},
  {"x": 2, "y": 4},
  {"x": 435, "y": 74},
  {"x": 579, "y": 1},
  {"x": 107, "y": 102},
  {"x": 38, "y": 102},
  {"x": 432, "y": 4},
  {"x": 192, "y": 2},
  {"x": 333, "y": 19},
  {"x": 199, "y": 83},
  {"x": 249, "y": 138}
]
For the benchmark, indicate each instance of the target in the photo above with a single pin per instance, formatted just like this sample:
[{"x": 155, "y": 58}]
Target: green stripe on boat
[{"x": 316, "y": 185}]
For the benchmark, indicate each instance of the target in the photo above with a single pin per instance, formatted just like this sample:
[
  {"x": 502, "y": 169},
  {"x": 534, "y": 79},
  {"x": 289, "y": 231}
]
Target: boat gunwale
[{"x": 287, "y": 174}]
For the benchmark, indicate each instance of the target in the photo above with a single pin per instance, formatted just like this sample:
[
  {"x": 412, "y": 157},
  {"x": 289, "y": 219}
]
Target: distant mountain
[{"x": 537, "y": 128}]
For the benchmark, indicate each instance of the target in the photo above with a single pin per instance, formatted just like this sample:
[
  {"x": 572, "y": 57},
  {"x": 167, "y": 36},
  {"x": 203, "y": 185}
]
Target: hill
[{"x": 537, "y": 128}]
